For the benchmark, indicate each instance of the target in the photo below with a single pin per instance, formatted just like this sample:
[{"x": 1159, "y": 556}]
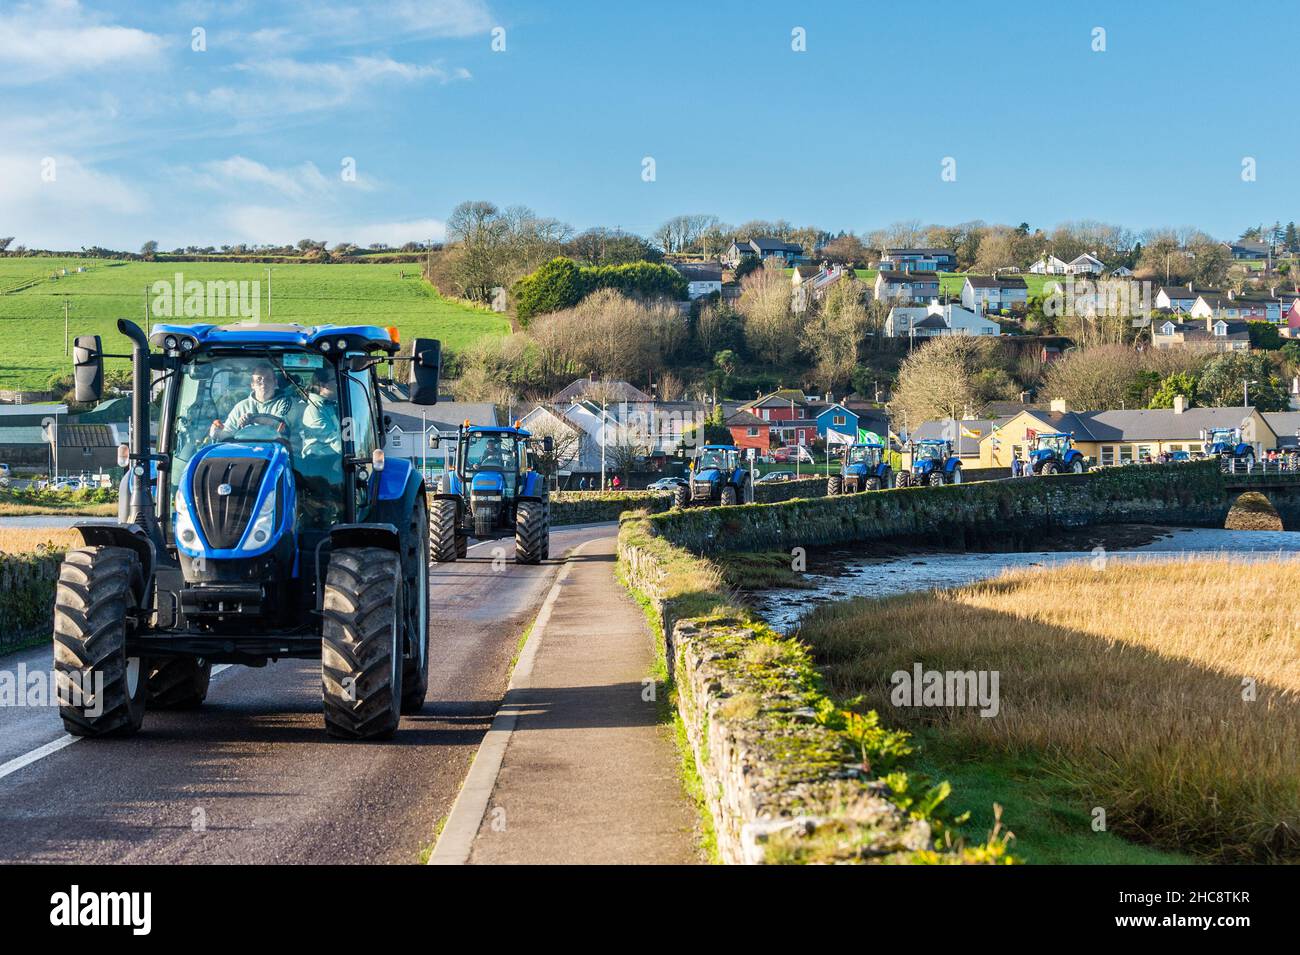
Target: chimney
[
  {"x": 1189, "y": 287},
  {"x": 1180, "y": 404},
  {"x": 1059, "y": 406}
]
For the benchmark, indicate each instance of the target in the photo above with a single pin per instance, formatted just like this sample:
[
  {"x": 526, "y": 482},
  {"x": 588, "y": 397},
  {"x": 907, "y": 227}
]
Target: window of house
[
  {"x": 838, "y": 419},
  {"x": 396, "y": 439},
  {"x": 86, "y": 452},
  {"x": 1126, "y": 454},
  {"x": 1107, "y": 455},
  {"x": 1194, "y": 448},
  {"x": 1146, "y": 452},
  {"x": 753, "y": 432},
  {"x": 1175, "y": 447}
]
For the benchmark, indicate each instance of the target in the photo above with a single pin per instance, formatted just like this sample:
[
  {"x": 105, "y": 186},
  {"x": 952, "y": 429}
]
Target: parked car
[
  {"x": 1180, "y": 456},
  {"x": 67, "y": 484},
  {"x": 792, "y": 452},
  {"x": 775, "y": 477},
  {"x": 667, "y": 484}
]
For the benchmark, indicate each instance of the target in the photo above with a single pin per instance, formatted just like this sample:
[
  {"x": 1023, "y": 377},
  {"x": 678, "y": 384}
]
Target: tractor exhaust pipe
[{"x": 141, "y": 507}]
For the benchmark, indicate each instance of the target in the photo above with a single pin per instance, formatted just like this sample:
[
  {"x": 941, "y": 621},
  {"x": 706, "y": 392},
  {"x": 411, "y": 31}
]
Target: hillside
[{"x": 32, "y": 293}]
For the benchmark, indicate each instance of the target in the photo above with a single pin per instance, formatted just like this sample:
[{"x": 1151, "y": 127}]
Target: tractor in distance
[
  {"x": 933, "y": 463},
  {"x": 266, "y": 524},
  {"x": 493, "y": 491},
  {"x": 863, "y": 469},
  {"x": 717, "y": 476},
  {"x": 1227, "y": 445},
  {"x": 1055, "y": 453}
]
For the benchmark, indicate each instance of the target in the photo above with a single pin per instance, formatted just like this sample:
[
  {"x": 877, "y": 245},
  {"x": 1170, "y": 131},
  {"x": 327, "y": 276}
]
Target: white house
[
  {"x": 987, "y": 293},
  {"x": 1050, "y": 265},
  {"x": 1123, "y": 272},
  {"x": 1176, "y": 298},
  {"x": 811, "y": 282},
  {"x": 701, "y": 278},
  {"x": 409, "y": 426},
  {"x": 1085, "y": 265},
  {"x": 911, "y": 286},
  {"x": 934, "y": 320}
]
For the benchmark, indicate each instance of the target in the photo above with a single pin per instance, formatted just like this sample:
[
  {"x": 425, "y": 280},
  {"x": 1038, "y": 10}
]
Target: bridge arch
[{"x": 1253, "y": 511}]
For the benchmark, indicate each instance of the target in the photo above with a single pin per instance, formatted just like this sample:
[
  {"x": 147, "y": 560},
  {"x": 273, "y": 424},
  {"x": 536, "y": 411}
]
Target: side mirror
[
  {"x": 426, "y": 365},
  {"x": 88, "y": 368},
  {"x": 434, "y": 439},
  {"x": 548, "y": 445}
]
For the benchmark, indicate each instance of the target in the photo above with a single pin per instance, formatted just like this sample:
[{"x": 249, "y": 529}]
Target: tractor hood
[
  {"x": 235, "y": 499},
  {"x": 488, "y": 482},
  {"x": 707, "y": 476},
  {"x": 1039, "y": 454}
]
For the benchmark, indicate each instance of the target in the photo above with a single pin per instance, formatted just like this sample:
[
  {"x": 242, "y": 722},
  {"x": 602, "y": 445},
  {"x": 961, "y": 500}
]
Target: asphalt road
[{"x": 251, "y": 776}]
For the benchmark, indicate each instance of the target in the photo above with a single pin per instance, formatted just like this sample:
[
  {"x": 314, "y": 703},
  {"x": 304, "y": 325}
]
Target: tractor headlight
[
  {"x": 170, "y": 343},
  {"x": 186, "y": 536},
  {"x": 263, "y": 526}
]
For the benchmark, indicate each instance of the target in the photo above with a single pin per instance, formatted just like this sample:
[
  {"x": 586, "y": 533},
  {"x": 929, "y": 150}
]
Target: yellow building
[{"x": 1123, "y": 437}]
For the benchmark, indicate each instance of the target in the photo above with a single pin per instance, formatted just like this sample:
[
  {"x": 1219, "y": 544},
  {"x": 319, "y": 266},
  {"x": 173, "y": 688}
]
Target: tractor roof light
[
  {"x": 342, "y": 344},
  {"x": 123, "y": 455},
  {"x": 324, "y": 346}
]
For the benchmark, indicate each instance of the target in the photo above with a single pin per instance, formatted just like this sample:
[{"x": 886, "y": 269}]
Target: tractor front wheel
[
  {"x": 530, "y": 532},
  {"x": 1049, "y": 467},
  {"x": 178, "y": 683},
  {"x": 904, "y": 479},
  {"x": 361, "y": 643},
  {"x": 956, "y": 475},
  {"x": 681, "y": 496},
  {"x": 101, "y": 690},
  {"x": 936, "y": 478},
  {"x": 1078, "y": 467},
  {"x": 728, "y": 496},
  {"x": 873, "y": 484},
  {"x": 443, "y": 542},
  {"x": 834, "y": 485}
]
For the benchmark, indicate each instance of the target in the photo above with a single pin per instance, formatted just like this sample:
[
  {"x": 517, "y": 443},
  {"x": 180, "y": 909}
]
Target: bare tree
[{"x": 771, "y": 328}]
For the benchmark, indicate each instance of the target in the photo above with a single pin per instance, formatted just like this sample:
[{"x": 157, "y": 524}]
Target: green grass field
[{"x": 32, "y": 292}]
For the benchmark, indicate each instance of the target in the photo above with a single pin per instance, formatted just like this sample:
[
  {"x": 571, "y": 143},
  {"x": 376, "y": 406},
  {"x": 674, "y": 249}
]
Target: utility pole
[
  {"x": 65, "y": 325},
  {"x": 148, "y": 330},
  {"x": 428, "y": 261},
  {"x": 602, "y": 443},
  {"x": 268, "y": 294}
]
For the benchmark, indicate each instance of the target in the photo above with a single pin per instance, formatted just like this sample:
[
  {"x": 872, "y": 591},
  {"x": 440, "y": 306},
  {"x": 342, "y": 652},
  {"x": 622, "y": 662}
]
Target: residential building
[
  {"x": 1122, "y": 272},
  {"x": 1050, "y": 265},
  {"x": 748, "y": 430},
  {"x": 1176, "y": 298},
  {"x": 762, "y": 247},
  {"x": 1123, "y": 437},
  {"x": 906, "y": 286},
  {"x": 701, "y": 278},
  {"x": 409, "y": 426},
  {"x": 810, "y": 283},
  {"x": 789, "y": 413},
  {"x": 836, "y": 417},
  {"x": 1085, "y": 265},
  {"x": 933, "y": 320},
  {"x": 1247, "y": 249},
  {"x": 919, "y": 260},
  {"x": 989, "y": 293},
  {"x": 1215, "y": 334}
]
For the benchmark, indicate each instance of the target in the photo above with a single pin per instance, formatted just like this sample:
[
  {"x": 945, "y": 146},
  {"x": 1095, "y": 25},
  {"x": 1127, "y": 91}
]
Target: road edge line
[{"x": 456, "y": 840}]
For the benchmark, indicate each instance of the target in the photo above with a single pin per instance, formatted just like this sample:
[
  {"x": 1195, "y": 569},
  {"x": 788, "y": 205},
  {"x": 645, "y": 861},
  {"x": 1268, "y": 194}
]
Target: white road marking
[{"x": 64, "y": 741}]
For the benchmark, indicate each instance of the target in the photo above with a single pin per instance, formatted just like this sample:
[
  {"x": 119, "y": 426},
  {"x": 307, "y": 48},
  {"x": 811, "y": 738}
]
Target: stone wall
[
  {"x": 26, "y": 596},
  {"x": 789, "y": 490},
  {"x": 592, "y": 507}
]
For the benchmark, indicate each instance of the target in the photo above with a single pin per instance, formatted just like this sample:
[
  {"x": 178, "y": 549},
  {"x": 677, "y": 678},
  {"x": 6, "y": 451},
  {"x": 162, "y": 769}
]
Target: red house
[
  {"x": 749, "y": 431},
  {"x": 789, "y": 414},
  {"x": 1291, "y": 317}
]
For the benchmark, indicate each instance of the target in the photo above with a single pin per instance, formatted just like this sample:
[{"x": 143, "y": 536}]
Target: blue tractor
[
  {"x": 1055, "y": 453},
  {"x": 1227, "y": 445},
  {"x": 494, "y": 491},
  {"x": 933, "y": 462},
  {"x": 265, "y": 524},
  {"x": 718, "y": 477},
  {"x": 863, "y": 469}
]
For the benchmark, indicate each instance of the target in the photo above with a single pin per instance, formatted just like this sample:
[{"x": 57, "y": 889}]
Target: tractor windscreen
[
  {"x": 716, "y": 458},
  {"x": 929, "y": 452},
  {"x": 491, "y": 451},
  {"x": 862, "y": 455},
  {"x": 1053, "y": 442},
  {"x": 289, "y": 397}
]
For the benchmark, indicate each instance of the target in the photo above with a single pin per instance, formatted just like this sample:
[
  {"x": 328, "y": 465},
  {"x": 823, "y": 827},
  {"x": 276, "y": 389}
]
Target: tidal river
[{"x": 839, "y": 574}]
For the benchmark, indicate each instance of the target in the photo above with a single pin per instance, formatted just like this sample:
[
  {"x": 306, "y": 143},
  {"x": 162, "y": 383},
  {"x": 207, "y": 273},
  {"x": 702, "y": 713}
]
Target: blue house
[{"x": 835, "y": 417}]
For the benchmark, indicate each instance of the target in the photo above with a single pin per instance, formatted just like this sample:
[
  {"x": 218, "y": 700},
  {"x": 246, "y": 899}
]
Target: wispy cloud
[
  {"x": 42, "y": 41},
  {"x": 277, "y": 224}
]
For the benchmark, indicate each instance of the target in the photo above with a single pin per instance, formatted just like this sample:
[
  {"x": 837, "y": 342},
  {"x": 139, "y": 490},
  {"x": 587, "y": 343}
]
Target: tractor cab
[
  {"x": 933, "y": 462},
  {"x": 262, "y": 525},
  {"x": 494, "y": 488},
  {"x": 1054, "y": 452},
  {"x": 863, "y": 469}
]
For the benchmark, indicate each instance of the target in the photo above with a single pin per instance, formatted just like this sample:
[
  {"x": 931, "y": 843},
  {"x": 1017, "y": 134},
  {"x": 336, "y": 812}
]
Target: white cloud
[
  {"x": 79, "y": 206},
  {"x": 241, "y": 172},
  {"x": 42, "y": 41}
]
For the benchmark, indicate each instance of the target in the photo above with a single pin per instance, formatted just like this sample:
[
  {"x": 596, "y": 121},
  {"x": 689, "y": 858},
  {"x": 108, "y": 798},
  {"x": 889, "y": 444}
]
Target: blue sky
[{"x": 246, "y": 140}]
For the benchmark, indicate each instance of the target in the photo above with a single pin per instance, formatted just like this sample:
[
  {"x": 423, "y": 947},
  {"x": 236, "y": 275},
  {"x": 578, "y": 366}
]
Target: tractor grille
[{"x": 224, "y": 517}]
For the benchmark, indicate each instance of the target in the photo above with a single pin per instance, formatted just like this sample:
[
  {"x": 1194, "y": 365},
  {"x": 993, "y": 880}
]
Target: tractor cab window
[
  {"x": 929, "y": 452},
  {"x": 490, "y": 451},
  {"x": 716, "y": 458},
  {"x": 1057, "y": 443},
  {"x": 242, "y": 397},
  {"x": 863, "y": 455}
]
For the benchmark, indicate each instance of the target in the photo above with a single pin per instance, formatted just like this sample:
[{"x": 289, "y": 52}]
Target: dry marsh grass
[
  {"x": 21, "y": 540},
  {"x": 1132, "y": 681}
]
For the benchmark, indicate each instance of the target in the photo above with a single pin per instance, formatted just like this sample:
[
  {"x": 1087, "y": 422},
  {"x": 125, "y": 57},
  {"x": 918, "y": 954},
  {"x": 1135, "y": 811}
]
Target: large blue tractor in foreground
[
  {"x": 266, "y": 524},
  {"x": 1054, "y": 453},
  {"x": 1227, "y": 444},
  {"x": 863, "y": 469},
  {"x": 933, "y": 463},
  {"x": 493, "y": 492},
  {"x": 718, "y": 477}
]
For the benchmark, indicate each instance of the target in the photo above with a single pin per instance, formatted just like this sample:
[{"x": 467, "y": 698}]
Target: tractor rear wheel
[
  {"x": 1049, "y": 467},
  {"x": 101, "y": 690},
  {"x": 530, "y": 532},
  {"x": 681, "y": 496},
  {"x": 936, "y": 478},
  {"x": 415, "y": 575},
  {"x": 728, "y": 496},
  {"x": 956, "y": 475},
  {"x": 834, "y": 485},
  {"x": 361, "y": 643},
  {"x": 1078, "y": 467},
  {"x": 443, "y": 543},
  {"x": 178, "y": 683}
]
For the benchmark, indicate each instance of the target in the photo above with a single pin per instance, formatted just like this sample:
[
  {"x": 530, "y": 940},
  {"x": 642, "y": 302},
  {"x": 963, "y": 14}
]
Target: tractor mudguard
[
  {"x": 365, "y": 535},
  {"x": 531, "y": 486},
  {"x": 450, "y": 485},
  {"x": 392, "y": 479},
  {"x": 394, "y": 508},
  {"x": 951, "y": 464},
  {"x": 130, "y": 536}
]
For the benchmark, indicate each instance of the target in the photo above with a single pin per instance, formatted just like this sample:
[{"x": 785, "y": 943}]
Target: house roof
[
  {"x": 86, "y": 436},
  {"x": 931, "y": 321},
  {"x": 745, "y": 419},
  {"x": 1182, "y": 292},
  {"x": 1144, "y": 424},
  {"x": 766, "y": 243},
  {"x": 807, "y": 271},
  {"x": 782, "y": 396},
  {"x": 892, "y": 276},
  {"x": 22, "y": 434},
  {"x": 445, "y": 415},
  {"x": 618, "y": 391},
  {"x": 699, "y": 271},
  {"x": 926, "y": 252}
]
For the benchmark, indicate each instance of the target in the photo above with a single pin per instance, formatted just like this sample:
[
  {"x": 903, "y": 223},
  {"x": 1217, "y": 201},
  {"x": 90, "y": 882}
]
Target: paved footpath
[{"x": 577, "y": 767}]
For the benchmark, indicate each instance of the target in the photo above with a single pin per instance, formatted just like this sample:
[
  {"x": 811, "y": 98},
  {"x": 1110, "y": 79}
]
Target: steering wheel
[{"x": 269, "y": 420}]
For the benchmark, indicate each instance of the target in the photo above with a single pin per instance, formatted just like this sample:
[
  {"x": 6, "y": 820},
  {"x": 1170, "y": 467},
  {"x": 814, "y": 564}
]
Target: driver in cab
[{"x": 265, "y": 398}]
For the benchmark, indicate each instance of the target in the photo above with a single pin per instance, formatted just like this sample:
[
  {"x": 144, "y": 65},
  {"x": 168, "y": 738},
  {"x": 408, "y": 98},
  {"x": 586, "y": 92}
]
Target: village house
[
  {"x": 762, "y": 247},
  {"x": 988, "y": 293},
  {"x": 408, "y": 426},
  {"x": 789, "y": 413},
  {"x": 919, "y": 260},
  {"x": 934, "y": 320},
  {"x": 1247, "y": 249},
  {"x": 1085, "y": 265},
  {"x": 701, "y": 278},
  {"x": 1177, "y": 298},
  {"x": 1214, "y": 334},
  {"x": 810, "y": 284},
  {"x": 1050, "y": 265},
  {"x": 749, "y": 431},
  {"x": 1109, "y": 438},
  {"x": 906, "y": 286}
]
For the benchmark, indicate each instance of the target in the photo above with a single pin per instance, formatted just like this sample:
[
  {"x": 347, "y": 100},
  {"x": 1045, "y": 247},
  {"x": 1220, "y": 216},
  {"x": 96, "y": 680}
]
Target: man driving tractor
[{"x": 265, "y": 398}]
